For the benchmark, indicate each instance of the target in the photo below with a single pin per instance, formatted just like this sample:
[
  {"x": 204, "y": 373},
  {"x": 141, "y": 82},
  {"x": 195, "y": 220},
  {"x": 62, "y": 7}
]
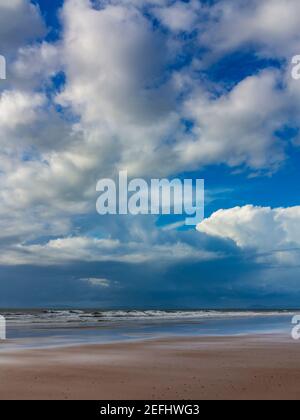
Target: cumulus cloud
[
  {"x": 267, "y": 230},
  {"x": 271, "y": 25},
  {"x": 119, "y": 87},
  {"x": 18, "y": 109},
  {"x": 113, "y": 78},
  {"x": 238, "y": 127},
  {"x": 35, "y": 65},
  {"x": 20, "y": 22}
]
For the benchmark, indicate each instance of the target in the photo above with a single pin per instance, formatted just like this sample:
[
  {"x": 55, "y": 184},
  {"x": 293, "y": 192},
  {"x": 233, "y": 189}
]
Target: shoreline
[
  {"x": 12, "y": 346},
  {"x": 252, "y": 367}
]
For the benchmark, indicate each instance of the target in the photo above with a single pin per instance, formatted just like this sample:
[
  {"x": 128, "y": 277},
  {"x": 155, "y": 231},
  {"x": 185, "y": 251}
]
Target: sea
[{"x": 72, "y": 327}]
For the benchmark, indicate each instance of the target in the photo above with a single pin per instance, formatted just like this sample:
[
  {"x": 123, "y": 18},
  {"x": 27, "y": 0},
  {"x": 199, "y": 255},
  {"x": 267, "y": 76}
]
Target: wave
[{"x": 85, "y": 317}]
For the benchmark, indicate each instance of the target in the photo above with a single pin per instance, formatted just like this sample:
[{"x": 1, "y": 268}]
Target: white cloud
[
  {"x": 113, "y": 77},
  {"x": 273, "y": 25},
  {"x": 86, "y": 249},
  {"x": 179, "y": 16},
  {"x": 35, "y": 65},
  {"x": 268, "y": 231},
  {"x": 238, "y": 127},
  {"x": 19, "y": 109},
  {"x": 116, "y": 85},
  {"x": 95, "y": 282}
]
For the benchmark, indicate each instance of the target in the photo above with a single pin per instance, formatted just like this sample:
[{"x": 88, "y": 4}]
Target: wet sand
[{"x": 262, "y": 367}]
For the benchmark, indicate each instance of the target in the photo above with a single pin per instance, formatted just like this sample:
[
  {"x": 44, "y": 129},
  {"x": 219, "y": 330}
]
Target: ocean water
[{"x": 39, "y": 329}]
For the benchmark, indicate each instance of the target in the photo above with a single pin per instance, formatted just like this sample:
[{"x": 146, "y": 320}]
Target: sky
[{"x": 163, "y": 89}]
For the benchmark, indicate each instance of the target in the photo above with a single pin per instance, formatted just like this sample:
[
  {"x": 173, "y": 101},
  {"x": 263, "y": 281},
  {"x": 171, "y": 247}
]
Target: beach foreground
[{"x": 257, "y": 367}]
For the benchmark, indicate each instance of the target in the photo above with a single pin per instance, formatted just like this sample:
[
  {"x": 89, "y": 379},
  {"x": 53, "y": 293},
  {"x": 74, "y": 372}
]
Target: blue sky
[{"x": 161, "y": 88}]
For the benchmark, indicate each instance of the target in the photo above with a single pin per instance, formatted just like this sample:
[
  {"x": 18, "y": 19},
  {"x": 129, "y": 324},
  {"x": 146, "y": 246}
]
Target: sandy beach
[{"x": 257, "y": 367}]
